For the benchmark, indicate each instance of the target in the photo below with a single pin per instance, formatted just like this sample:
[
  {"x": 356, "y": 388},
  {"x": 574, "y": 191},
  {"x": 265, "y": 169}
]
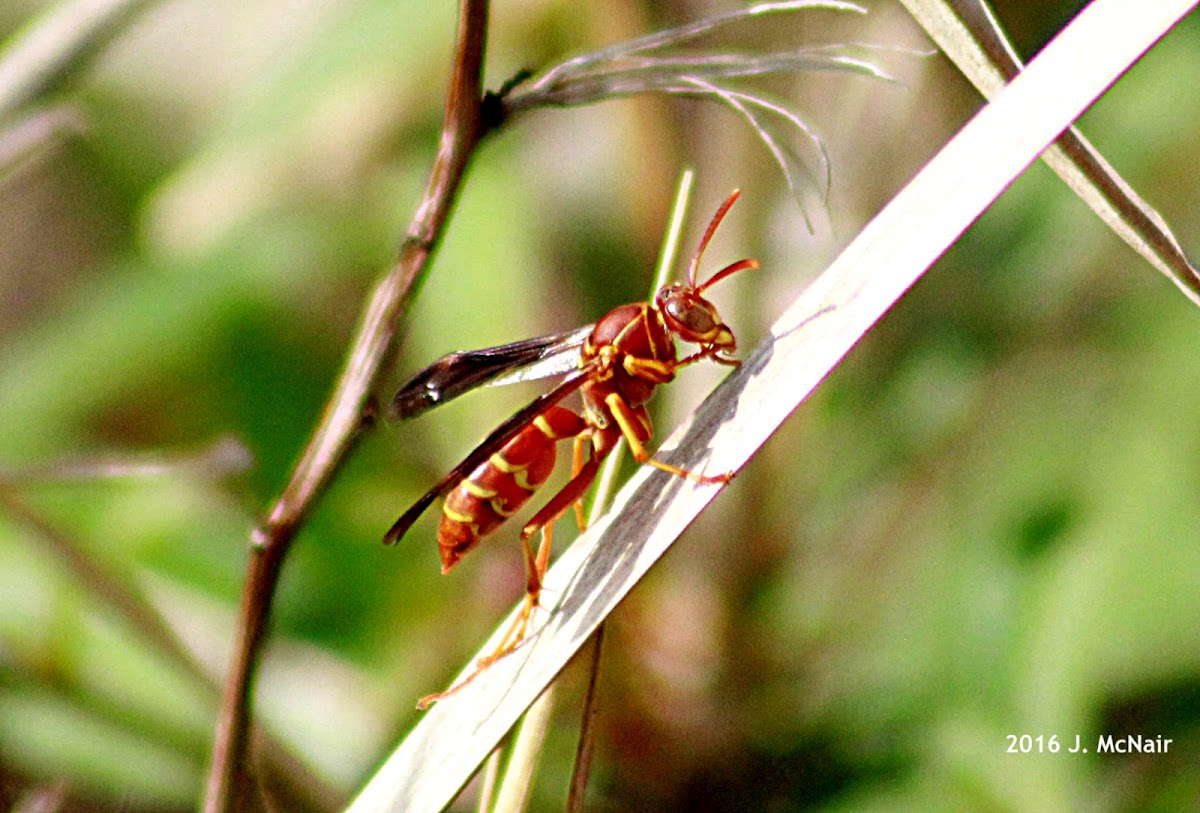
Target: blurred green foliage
[{"x": 984, "y": 524}]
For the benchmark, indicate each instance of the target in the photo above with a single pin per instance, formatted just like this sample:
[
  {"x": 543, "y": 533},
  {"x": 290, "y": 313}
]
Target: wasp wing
[
  {"x": 556, "y": 359},
  {"x": 492, "y": 443},
  {"x": 463, "y": 370}
]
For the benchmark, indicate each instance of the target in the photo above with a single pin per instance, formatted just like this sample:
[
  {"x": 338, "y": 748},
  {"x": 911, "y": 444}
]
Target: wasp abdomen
[{"x": 500, "y": 486}]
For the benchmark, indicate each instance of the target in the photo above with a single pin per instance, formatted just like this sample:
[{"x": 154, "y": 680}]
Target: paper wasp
[{"x": 615, "y": 364}]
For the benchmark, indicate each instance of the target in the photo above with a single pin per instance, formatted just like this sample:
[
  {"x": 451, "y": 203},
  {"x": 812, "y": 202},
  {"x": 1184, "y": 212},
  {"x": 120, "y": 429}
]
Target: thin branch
[{"x": 351, "y": 407}]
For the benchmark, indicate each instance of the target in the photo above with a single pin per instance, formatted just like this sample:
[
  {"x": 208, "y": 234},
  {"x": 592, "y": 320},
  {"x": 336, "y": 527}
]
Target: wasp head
[
  {"x": 685, "y": 311},
  {"x": 691, "y": 317}
]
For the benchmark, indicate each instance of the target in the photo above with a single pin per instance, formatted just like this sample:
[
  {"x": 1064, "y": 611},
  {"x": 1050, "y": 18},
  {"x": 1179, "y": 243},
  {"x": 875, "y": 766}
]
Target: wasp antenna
[
  {"x": 728, "y": 270},
  {"x": 708, "y": 233}
]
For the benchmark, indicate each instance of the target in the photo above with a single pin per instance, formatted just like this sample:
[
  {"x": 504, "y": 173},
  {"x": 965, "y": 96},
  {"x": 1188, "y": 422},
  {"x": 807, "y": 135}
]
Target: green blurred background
[{"x": 984, "y": 523}]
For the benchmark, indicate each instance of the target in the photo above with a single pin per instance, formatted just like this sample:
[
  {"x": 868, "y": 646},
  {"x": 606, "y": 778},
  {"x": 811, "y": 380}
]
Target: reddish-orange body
[
  {"x": 629, "y": 352},
  {"x": 501, "y": 485}
]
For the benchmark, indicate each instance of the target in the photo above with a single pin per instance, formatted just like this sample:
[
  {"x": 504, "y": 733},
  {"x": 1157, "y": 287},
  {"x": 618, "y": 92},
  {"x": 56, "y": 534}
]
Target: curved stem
[{"x": 350, "y": 409}]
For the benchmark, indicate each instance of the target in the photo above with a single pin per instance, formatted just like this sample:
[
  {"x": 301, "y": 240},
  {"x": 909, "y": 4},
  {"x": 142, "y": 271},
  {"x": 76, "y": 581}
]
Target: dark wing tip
[
  {"x": 463, "y": 370},
  {"x": 413, "y": 399},
  {"x": 400, "y": 527}
]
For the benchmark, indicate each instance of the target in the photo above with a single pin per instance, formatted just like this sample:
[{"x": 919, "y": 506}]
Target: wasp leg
[
  {"x": 581, "y": 444},
  {"x": 635, "y": 426},
  {"x": 708, "y": 353},
  {"x": 659, "y": 372},
  {"x": 536, "y": 565}
]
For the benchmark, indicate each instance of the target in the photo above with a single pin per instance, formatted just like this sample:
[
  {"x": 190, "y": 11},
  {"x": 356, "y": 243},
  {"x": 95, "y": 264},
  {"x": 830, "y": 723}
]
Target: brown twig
[
  {"x": 586, "y": 748},
  {"x": 350, "y": 409}
]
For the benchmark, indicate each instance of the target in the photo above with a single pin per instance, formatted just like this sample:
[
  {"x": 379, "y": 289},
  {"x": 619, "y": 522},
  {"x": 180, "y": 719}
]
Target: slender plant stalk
[
  {"x": 350, "y": 409},
  {"x": 487, "y": 785},
  {"x": 518, "y": 781},
  {"x": 514, "y": 791},
  {"x": 586, "y": 748}
]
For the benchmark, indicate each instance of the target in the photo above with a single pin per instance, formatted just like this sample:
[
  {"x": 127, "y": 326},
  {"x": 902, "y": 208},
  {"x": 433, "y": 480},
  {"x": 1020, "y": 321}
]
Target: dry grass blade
[
  {"x": 666, "y": 62},
  {"x": 28, "y": 132},
  {"x": 752, "y": 108},
  {"x": 223, "y": 458},
  {"x": 57, "y": 44},
  {"x": 817, "y": 330},
  {"x": 589, "y": 64},
  {"x": 974, "y": 41},
  {"x": 113, "y": 590}
]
